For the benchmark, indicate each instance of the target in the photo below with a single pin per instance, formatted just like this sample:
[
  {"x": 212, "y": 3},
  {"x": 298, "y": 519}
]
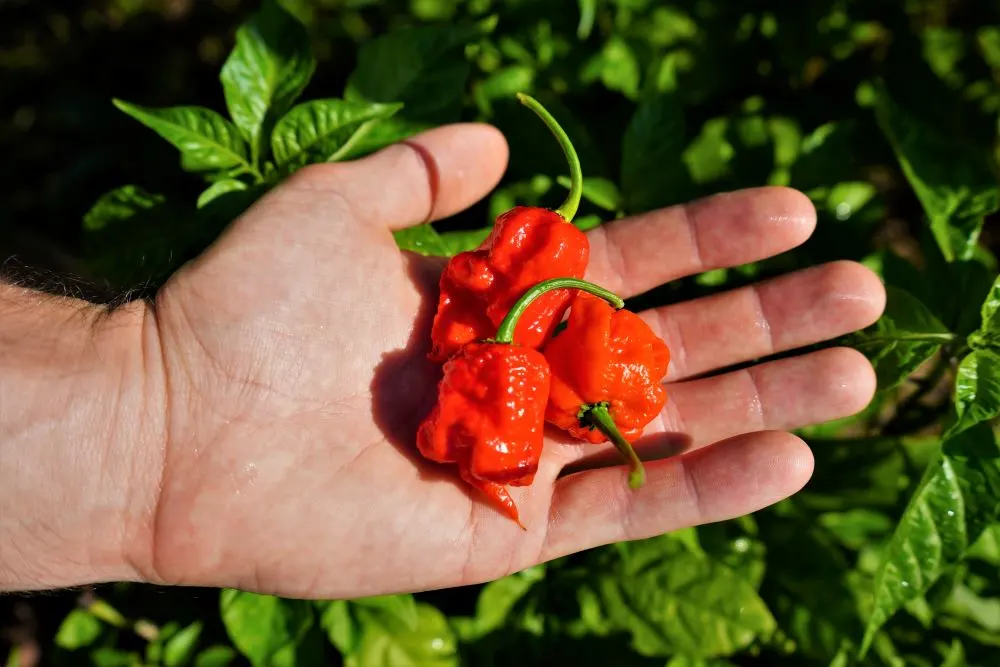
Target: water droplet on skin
[
  {"x": 951, "y": 512},
  {"x": 904, "y": 584}
]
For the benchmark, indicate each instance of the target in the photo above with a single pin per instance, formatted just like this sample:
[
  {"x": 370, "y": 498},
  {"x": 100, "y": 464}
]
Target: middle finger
[{"x": 777, "y": 315}]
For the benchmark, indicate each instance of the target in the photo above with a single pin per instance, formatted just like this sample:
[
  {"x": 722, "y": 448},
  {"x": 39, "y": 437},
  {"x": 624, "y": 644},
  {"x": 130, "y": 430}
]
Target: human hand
[{"x": 287, "y": 368}]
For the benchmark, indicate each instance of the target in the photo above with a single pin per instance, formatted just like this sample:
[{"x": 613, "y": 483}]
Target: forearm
[{"x": 79, "y": 443}]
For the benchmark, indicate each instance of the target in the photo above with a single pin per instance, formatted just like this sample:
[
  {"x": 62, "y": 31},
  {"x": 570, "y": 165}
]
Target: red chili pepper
[
  {"x": 527, "y": 245},
  {"x": 607, "y": 369},
  {"x": 490, "y": 414}
]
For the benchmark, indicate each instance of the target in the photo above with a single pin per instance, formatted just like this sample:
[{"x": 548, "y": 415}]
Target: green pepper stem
[
  {"x": 599, "y": 416},
  {"x": 569, "y": 207},
  {"x": 505, "y": 332}
]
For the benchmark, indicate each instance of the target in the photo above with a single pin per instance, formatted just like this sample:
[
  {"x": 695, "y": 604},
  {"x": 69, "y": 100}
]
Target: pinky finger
[{"x": 726, "y": 480}]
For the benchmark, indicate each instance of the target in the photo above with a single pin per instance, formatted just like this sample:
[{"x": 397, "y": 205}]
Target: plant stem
[
  {"x": 912, "y": 338},
  {"x": 505, "y": 332},
  {"x": 569, "y": 207},
  {"x": 599, "y": 416}
]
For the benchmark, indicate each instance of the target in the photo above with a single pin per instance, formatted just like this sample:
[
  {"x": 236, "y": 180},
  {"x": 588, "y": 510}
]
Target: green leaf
[
  {"x": 857, "y": 527},
  {"x": 955, "y": 183},
  {"x": 179, "y": 648},
  {"x": 421, "y": 67},
  {"x": 206, "y": 140},
  {"x": 385, "y": 132},
  {"x": 502, "y": 84},
  {"x": 905, "y": 337},
  {"x": 977, "y": 389},
  {"x": 708, "y": 156},
  {"x": 219, "y": 188},
  {"x": 399, "y": 611},
  {"x": 845, "y": 200},
  {"x": 341, "y": 626},
  {"x": 215, "y": 656},
  {"x": 954, "y": 503},
  {"x": 425, "y": 240},
  {"x": 652, "y": 172},
  {"x": 598, "y": 191},
  {"x": 587, "y": 222},
  {"x": 989, "y": 331},
  {"x": 498, "y": 598},
  {"x": 672, "y": 600},
  {"x": 690, "y": 661},
  {"x": 421, "y": 239},
  {"x": 987, "y": 548},
  {"x": 955, "y": 656},
  {"x": 984, "y": 611},
  {"x": 429, "y": 644},
  {"x": 806, "y": 584},
  {"x": 262, "y": 626},
  {"x": 110, "y": 657},
  {"x": 154, "y": 649},
  {"x": 588, "y": 10},
  {"x": 324, "y": 130},
  {"x": 133, "y": 237},
  {"x": 827, "y": 155},
  {"x": 467, "y": 239},
  {"x": 266, "y": 72},
  {"x": 118, "y": 205},
  {"x": 616, "y": 66},
  {"x": 77, "y": 630}
]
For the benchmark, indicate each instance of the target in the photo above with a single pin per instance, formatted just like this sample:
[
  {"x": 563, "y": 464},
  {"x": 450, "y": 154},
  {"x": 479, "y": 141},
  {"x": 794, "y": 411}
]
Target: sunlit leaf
[
  {"x": 598, "y": 191},
  {"x": 324, "y": 130},
  {"x": 218, "y": 189},
  {"x": 503, "y": 84},
  {"x": 977, "y": 388},
  {"x": 181, "y": 646},
  {"x": 206, "y": 140},
  {"x": 954, "y": 503},
  {"x": 266, "y": 72},
  {"x": 616, "y": 66},
  {"x": 954, "y": 182},
  {"x": 265, "y": 628},
  {"x": 906, "y": 336},
  {"x": 672, "y": 600},
  {"x": 989, "y": 331},
  {"x": 430, "y": 642},
  {"x": 77, "y": 630},
  {"x": 215, "y": 656}
]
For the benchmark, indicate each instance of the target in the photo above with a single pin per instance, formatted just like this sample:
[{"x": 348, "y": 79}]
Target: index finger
[{"x": 636, "y": 254}]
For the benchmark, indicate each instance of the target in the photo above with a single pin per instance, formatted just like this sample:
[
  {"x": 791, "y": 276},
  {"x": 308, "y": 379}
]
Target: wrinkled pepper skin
[
  {"x": 490, "y": 418},
  {"x": 478, "y": 288},
  {"x": 605, "y": 356}
]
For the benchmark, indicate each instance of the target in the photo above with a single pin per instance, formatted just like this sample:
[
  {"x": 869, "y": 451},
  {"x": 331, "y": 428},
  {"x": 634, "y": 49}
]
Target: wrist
[{"x": 81, "y": 441}]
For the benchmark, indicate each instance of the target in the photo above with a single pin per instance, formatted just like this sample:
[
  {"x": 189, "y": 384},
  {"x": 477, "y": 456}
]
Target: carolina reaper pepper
[
  {"x": 490, "y": 414},
  {"x": 527, "y": 245},
  {"x": 607, "y": 367}
]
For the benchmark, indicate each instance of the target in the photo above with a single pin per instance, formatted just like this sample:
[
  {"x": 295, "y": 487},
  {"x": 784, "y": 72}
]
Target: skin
[{"x": 254, "y": 427}]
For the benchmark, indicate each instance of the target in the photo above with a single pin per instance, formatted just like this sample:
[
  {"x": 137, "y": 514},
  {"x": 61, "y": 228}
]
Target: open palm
[{"x": 293, "y": 378}]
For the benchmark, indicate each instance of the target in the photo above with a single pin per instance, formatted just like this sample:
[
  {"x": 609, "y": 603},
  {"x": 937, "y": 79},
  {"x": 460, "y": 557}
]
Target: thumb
[{"x": 427, "y": 177}]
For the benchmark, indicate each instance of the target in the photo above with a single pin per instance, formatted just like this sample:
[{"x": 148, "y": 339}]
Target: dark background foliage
[{"x": 885, "y": 112}]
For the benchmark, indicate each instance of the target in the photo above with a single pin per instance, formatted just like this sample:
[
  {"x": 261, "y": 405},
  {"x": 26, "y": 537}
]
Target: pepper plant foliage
[{"x": 884, "y": 113}]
